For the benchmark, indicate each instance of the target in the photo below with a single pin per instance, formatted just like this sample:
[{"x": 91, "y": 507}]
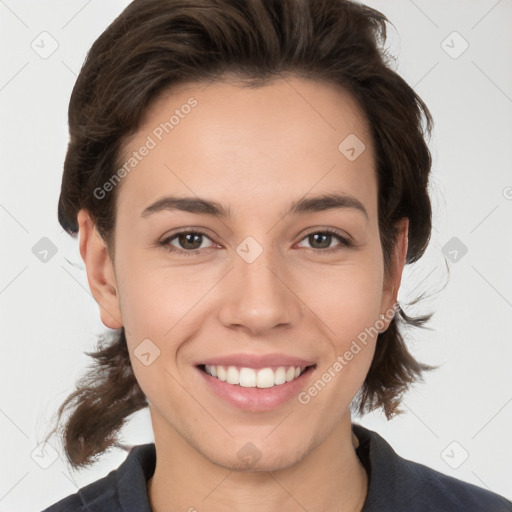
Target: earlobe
[{"x": 100, "y": 271}]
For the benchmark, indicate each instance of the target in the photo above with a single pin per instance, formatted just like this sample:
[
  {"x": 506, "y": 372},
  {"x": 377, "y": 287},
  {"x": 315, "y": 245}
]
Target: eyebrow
[{"x": 209, "y": 207}]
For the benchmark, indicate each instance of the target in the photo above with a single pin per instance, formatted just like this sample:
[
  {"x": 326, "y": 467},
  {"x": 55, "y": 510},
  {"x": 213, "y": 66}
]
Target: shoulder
[
  {"x": 444, "y": 492},
  {"x": 98, "y": 496},
  {"x": 123, "y": 489},
  {"x": 397, "y": 484}
]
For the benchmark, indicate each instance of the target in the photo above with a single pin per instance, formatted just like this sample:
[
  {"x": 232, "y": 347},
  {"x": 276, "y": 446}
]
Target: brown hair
[{"x": 156, "y": 44}]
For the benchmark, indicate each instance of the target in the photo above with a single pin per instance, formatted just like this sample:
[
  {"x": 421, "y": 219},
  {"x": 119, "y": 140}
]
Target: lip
[
  {"x": 256, "y": 399},
  {"x": 257, "y": 361}
]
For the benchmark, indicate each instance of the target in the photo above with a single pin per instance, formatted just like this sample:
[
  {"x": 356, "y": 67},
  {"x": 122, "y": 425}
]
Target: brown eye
[
  {"x": 189, "y": 240},
  {"x": 186, "y": 242},
  {"x": 322, "y": 240}
]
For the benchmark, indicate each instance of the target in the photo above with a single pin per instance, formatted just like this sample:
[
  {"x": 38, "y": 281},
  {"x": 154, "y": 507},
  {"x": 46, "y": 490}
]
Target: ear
[
  {"x": 393, "y": 280},
  {"x": 100, "y": 271}
]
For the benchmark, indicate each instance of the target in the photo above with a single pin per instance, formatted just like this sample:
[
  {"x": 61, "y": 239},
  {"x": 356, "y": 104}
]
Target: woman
[{"x": 248, "y": 180}]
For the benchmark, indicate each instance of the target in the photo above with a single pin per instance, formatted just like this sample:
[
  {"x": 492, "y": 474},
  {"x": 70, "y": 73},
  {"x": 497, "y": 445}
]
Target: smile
[
  {"x": 256, "y": 382},
  {"x": 254, "y": 378}
]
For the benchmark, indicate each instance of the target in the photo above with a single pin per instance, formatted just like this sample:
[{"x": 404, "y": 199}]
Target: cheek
[
  {"x": 348, "y": 302},
  {"x": 349, "y": 307},
  {"x": 153, "y": 299},
  {"x": 159, "y": 308},
  {"x": 347, "y": 298}
]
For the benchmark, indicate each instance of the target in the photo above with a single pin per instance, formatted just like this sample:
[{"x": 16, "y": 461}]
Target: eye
[
  {"x": 322, "y": 240},
  {"x": 190, "y": 243},
  {"x": 186, "y": 242}
]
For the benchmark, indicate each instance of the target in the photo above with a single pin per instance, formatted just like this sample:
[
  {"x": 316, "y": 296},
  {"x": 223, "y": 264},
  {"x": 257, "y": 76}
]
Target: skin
[{"x": 256, "y": 151}]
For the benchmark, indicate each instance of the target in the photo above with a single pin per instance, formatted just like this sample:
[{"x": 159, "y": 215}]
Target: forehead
[{"x": 289, "y": 137}]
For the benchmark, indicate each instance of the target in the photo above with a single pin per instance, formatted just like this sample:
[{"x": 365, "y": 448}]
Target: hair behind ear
[
  {"x": 393, "y": 369},
  {"x": 104, "y": 397}
]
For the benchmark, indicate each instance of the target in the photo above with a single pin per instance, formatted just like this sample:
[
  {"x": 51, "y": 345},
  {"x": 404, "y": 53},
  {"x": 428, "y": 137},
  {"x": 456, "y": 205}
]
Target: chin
[
  {"x": 264, "y": 465},
  {"x": 249, "y": 458}
]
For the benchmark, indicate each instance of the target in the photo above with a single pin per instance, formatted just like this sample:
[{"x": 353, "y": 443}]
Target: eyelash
[{"x": 344, "y": 242}]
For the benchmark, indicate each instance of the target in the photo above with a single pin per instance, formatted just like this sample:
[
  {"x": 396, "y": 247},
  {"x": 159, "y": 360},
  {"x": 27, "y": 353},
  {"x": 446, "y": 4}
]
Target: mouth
[
  {"x": 255, "y": 382},
  {"x": 262, "y": 378}
]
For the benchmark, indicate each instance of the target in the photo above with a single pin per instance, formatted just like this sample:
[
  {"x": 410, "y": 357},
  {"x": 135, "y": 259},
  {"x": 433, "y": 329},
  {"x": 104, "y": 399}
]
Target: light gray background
[{"x": 48, "y": 317}]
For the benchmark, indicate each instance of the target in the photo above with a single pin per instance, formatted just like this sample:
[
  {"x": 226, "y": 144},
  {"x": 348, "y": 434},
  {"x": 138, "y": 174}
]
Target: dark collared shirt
[{"x": 395, "y": 485}]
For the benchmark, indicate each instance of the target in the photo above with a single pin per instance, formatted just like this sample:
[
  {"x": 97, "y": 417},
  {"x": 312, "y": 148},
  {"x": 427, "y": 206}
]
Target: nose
[{"x": 259, "y": 296}]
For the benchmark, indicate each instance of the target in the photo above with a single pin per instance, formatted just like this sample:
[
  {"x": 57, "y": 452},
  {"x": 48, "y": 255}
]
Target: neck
[{"x": 329, "y": 478}]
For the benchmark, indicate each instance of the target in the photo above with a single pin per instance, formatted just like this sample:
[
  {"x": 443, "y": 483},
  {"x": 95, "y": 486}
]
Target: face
[{"x": 252, "y": 280}]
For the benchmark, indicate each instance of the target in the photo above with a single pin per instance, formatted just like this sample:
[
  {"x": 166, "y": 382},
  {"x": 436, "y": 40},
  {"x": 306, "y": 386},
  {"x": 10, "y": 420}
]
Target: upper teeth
[{"x": 250, "y": 378}]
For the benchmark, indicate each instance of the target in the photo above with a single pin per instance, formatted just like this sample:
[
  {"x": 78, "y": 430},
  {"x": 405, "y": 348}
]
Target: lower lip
[{"x": 256, "y": 399}]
